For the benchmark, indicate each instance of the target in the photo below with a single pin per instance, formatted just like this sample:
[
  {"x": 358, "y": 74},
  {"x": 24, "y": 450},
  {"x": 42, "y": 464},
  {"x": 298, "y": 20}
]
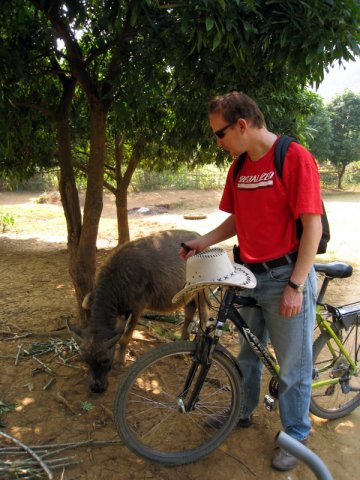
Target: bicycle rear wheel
[
  {"x": 333, "y": 401},
  {"x": 151, "y": 419}
]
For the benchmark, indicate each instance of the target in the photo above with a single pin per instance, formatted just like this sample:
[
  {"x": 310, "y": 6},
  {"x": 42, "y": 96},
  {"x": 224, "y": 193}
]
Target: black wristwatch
[{"x": 296, "y": 286}]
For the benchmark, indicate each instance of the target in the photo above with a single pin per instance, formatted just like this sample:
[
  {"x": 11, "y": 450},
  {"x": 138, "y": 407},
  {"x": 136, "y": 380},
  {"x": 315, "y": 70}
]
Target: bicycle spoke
[
  {"x": 337, "y": 399},
  {"x": 149, "y": 413}
]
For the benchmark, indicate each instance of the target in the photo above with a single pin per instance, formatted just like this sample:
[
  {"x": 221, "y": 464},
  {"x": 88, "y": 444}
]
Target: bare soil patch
[{"x": 36, "y": 298}]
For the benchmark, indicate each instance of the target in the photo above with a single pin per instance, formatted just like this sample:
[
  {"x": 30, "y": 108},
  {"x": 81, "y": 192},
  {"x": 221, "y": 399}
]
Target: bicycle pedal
[{"x": 270, "y": 403}]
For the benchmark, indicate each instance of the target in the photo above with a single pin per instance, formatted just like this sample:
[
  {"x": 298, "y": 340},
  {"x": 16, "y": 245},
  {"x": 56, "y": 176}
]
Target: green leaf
[
  {"x": 311, "y": 56},
  {"x": 133, "y": 18},
  {"x": 7, "y": 407},
  {"x": 209, "y": 23},
  {"x": 217, "y": 40}
]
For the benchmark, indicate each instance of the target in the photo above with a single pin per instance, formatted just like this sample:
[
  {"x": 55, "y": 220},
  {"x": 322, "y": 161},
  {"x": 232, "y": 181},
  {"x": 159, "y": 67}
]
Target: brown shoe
[
  {"x": 283, "y": 460},
  {"x": 217, "y": 420}
]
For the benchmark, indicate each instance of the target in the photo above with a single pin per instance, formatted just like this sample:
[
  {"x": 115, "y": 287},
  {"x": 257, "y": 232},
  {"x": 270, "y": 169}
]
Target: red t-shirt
[{"x": 266, "y": 206}]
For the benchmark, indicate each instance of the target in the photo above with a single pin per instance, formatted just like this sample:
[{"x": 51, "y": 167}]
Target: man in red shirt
[{"x": 262, "y": 211}]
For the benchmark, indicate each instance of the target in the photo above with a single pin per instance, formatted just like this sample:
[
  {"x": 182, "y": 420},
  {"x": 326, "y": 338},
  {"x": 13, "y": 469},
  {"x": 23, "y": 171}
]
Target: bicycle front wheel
[
  {"x": 336, "y": 400},
  {"x": 149, "y": 408}
]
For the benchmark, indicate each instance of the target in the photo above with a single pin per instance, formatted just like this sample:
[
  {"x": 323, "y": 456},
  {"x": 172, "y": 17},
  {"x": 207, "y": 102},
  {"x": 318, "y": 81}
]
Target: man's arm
[
  {"x": 224, "y": 231},
  {"x": 309, "y": 242}
]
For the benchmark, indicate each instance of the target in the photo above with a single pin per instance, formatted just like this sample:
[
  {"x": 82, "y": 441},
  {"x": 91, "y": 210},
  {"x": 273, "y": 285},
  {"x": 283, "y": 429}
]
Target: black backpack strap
[
  {"x": 281, "y": 147},
  {"x": 238, "y": 164}
]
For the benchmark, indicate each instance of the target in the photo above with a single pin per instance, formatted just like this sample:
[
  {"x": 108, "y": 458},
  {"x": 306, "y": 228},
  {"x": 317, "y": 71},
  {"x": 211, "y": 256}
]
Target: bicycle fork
[{"x": 203, "y": 360}]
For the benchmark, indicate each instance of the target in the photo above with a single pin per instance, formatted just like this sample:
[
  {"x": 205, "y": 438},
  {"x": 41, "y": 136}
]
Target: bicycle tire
[
  {"x": 329, "y": 401},
  {"x": 146, "y": 409}
]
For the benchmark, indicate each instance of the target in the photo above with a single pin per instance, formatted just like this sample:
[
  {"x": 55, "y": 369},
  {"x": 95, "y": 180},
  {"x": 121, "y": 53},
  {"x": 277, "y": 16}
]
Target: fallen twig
[
  {"x": 61, "y": 399},
  {"x": 18, "y": 354},
  {"x": 238, "y": 460},
  {"x": 30, "y": 452},
  {"x": 49, "y": 383},
  {"x": 14, "y": 336},
  {"x": 64, "y": 446},
  {"x": 48, "y": 369},
  {"x": 107, "y": 411},
  {"x": 26, "y": 468}
]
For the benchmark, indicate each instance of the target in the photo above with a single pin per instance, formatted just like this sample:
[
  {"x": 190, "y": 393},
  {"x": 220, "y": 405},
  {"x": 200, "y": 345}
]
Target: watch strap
[{"x": 296, "y": 286}]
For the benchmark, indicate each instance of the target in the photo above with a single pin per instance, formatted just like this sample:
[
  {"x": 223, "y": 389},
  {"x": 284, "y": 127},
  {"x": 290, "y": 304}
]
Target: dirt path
[{"x": 36, "y": 295}]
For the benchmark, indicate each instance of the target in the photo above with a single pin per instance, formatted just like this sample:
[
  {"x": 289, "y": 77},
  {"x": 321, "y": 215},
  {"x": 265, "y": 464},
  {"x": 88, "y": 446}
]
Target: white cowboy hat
[{"x": 211, "y": 268}]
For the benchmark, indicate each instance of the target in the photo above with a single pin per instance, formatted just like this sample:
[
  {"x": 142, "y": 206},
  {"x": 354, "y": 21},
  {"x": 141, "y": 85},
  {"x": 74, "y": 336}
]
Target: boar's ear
[
  {"x": 74, "y": 329},
  {"x": 111, "y": 342},
  {"x": 86, "y": 303},
  {"x": 118, "y": 333}
]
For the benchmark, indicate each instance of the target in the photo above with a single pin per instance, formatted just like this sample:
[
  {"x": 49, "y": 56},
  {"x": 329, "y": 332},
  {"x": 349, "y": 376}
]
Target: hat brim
[{"x": 243, "y": 278}]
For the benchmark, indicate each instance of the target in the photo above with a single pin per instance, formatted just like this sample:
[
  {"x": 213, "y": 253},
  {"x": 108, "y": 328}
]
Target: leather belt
[{"x": 269, "y": 265}]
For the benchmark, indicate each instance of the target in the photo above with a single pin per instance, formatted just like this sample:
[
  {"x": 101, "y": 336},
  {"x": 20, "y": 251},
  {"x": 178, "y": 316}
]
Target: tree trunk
[
  {"x": 341, "y": 172},
  {"x": 83, "y": 263},
  {"x": 69, "y": 194},
  {"x": 122, "y": 185},
  {"x": 67, "y": 185},
  {"x": 122, "y": 214}
]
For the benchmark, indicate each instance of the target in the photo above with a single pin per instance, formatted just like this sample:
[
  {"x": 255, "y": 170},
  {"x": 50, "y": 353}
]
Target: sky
[{"x": 339, "y": 78}]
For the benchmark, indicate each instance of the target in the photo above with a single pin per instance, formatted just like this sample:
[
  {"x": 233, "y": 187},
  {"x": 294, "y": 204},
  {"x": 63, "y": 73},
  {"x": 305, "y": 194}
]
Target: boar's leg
[
  {"x": 189, "y": 309},
  {"x": 203, "y": 306},
  {"x": 127, "y": 335},
  {"x": 200, "y": 303}
]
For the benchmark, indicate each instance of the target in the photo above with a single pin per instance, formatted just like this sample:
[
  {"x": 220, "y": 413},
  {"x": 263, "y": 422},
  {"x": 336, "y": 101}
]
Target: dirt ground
[{"x": 44, "y": 399}]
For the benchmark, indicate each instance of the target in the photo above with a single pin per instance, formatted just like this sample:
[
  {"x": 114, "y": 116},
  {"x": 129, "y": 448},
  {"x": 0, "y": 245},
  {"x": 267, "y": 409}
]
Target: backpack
[{"x": 281, "y": 148}]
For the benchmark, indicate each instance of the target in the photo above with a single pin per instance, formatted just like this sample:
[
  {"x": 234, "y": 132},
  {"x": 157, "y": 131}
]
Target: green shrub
[
  {"x": 7, "y": 221},
  {"x": 207, "y": 177}
]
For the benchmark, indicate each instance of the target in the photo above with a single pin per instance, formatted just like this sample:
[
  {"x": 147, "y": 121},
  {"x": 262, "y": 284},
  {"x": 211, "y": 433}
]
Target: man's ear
[{"x": 242, "y": 123}]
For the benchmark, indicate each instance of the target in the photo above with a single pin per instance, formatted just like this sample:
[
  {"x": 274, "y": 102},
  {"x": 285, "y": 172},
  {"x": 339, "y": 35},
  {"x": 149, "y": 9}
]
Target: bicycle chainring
[{"x": 274, "y": 387}]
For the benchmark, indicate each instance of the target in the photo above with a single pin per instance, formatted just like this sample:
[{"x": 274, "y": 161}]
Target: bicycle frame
[
  {"x": 261, "y": 351},
  {"x": 324, "y": 325},
  {"x": 203, "y": 380},
  {"x": 228, "y": 310}
]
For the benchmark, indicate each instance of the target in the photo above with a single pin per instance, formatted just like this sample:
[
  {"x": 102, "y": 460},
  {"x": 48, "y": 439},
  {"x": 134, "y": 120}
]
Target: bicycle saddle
[{"x": 334, "y": 269}]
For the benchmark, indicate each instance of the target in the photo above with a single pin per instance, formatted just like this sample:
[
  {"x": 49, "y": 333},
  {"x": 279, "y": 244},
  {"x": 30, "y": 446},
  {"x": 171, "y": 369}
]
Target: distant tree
[
  {"x": 318, "y": 132},
  {"x": 344, "y": 113}
]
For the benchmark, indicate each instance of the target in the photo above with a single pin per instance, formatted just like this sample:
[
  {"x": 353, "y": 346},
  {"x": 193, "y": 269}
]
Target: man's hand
[
  {"x": 291, "y": 302},
  {"x": 188, "y": 249}
]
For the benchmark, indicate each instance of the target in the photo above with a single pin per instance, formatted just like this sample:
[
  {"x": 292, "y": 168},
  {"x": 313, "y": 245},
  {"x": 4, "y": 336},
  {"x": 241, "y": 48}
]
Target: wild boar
[{"x": 142, "y": 274}]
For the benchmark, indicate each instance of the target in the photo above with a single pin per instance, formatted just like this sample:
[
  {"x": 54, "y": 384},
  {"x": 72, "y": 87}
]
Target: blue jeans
[{"x": 291, "y": 338}]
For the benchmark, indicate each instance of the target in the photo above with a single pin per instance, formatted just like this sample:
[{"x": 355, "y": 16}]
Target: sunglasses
[{"x": 221, "y": 133}]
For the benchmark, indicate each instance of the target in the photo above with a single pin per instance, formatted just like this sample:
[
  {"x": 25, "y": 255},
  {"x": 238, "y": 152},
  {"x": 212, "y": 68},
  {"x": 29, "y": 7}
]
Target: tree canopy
[
  {"x": 140, "y": 72},
  {"x": 334, "y": 131},
  {"x": 344, "y": 116}
]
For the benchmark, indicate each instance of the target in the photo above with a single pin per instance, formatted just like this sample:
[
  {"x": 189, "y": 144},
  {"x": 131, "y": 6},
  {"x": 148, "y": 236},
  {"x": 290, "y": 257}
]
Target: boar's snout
[{"x": 97, "y": 386}]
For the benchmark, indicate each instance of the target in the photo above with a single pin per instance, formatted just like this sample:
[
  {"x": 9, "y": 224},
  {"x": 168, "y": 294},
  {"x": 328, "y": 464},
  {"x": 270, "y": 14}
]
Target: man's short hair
[{"x": 236, "y": 105}]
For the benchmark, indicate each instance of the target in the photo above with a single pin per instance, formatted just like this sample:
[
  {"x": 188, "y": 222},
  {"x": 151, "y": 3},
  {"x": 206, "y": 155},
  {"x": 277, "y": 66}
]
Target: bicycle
[{"x": 163, "y": 404}]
